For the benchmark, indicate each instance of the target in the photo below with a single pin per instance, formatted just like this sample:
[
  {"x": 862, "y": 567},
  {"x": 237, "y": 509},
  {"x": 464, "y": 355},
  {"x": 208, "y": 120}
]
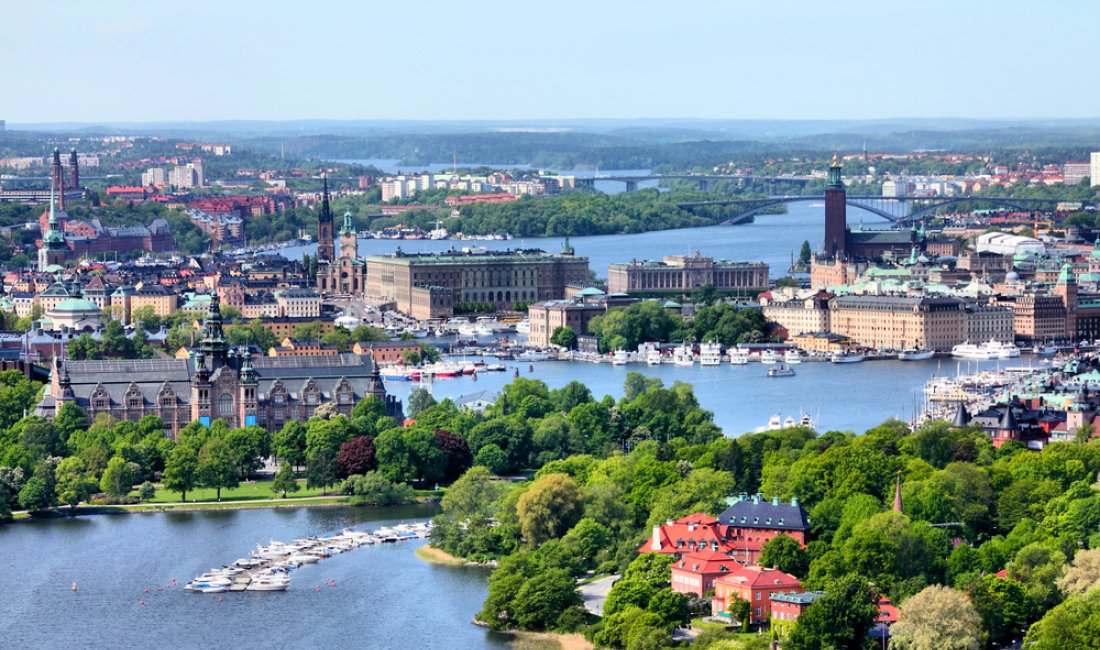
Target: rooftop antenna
[{"x": 454, "y": 163}]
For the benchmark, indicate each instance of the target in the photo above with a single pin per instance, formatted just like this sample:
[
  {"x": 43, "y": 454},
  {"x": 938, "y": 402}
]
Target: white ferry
[
  {"x": 739, "y": 356},
  {"x": 792, "y": 356},
  {"x": 524, "y": 326},
  {"x": 682, "y": 356},
  {"x": 653, "y": 356},
  {"x": 985, "y": 351},
  {"x": 770, "y": 356},
  {"x": 620, "y": 358},
  {"x": 915, "y": 355},
  {"x": 710, "y": 354},
  {"x": 846, "y": 357}
]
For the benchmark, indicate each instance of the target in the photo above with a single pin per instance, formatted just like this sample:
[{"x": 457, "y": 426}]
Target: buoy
[
  {"x": 219, "y": 599},
  {"x": 317, "y": 588},
  {"x": 141, "y": 602},
  {"x": 74, "y": 586},
  {"x": 146, "y": 591}
]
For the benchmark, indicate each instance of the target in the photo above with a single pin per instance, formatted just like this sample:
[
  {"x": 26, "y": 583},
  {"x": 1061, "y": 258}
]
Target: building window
[{"x": 225, "y": 405}]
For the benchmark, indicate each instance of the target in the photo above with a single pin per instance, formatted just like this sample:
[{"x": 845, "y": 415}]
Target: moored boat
[
  {"x": 781, "y": 370},
  {"x": 846, "y": 357},
  {"x": 914, "y": 354}
]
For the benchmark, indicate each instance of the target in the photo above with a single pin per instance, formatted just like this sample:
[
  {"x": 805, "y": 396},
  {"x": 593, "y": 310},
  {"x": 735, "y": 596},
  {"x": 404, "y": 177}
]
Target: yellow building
[{"x": 892, "y": 323}]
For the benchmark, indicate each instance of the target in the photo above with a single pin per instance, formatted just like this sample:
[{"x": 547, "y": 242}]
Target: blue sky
[{"x": 112, "y": 60}]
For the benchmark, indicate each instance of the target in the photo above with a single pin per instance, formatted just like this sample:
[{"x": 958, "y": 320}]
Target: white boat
[
  {"x": 533, "y": 355},
  {"x": 417, "y": 332},
  {"x": 1045, "y": 350},
  {"x": 792, "y": 356},
  {"x": 265, "y": 583},
  {"x": 914, "y": 354},
  {"x": 653, "y": 356},
  {"x": 985, "y": 351},
  {"x": 682, "y": 356},
  {"x": 781, "y": 370},
  {"x": 770, "y": 356},
  {"x": 620, "y": 358},
  {"x": 846, "y": 357},
  {"x": 524, "y": 326},
  {"x": 739, "y": 356},
  {"x": 710, "y": 354},
  {"x": 775, "y": 423}
]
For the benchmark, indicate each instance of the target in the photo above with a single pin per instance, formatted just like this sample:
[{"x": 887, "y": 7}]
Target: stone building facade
[{"x": 683, "y": 274}]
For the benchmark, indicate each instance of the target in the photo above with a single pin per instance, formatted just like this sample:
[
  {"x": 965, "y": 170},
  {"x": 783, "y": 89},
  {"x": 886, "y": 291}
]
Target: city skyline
[{"x": 123, "y": 61}]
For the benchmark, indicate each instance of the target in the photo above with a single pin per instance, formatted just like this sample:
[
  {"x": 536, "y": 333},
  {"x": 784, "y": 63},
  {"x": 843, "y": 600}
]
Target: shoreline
[
  {"x": 201, "y": 506},
  {"x": 547, "y": 640},
  {"x": 433, "y": 555}
]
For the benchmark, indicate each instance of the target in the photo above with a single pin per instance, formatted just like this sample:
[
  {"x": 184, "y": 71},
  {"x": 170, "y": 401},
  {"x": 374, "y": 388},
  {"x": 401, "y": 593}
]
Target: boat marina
[{"x": 269, "y": 567}]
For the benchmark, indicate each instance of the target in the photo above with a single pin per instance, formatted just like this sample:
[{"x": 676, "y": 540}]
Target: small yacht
[
  {"x": 523, "y": 327},
  {"x": 781, "y": 370},
  {"x": 620, "y": 358},
  {"x": 770, "y": 356},
  {"x": 653, "y": 356},
  {"x": 682, "y": 356},
  {"x": 739, "y": 356},
  {"x": 533, "y": 355},
  {"x": 710, "y": 354},
  {"x": 792, "y": 356},
  {"x": 846, "y": 357},
  {"x": 914, "y": 354}
]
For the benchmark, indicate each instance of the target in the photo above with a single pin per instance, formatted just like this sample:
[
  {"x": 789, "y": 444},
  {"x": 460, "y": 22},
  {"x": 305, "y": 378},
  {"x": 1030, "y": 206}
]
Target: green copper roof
[
  {"x": 1066, "y": 275},
  {"x": 75, "y": 304},
  {"x": 347, "y": 228}
]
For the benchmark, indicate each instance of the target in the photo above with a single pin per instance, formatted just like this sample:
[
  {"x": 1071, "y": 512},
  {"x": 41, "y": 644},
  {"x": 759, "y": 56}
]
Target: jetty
[{"x": 269, "y": 567}]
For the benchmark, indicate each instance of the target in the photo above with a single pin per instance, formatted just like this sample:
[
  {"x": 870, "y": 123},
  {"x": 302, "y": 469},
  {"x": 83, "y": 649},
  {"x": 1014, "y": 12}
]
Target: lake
[{"x": 384, "y": 596}]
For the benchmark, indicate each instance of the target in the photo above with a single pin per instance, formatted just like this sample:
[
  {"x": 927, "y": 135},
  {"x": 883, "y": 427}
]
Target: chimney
[
  {"x": 775, "y": 501},
  {"x": 656, "y": 543},
  {"x": 794, "y": 501}
]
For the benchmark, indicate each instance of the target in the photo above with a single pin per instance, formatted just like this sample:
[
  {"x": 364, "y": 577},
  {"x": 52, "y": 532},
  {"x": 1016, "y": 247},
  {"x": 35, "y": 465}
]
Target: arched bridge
[{"x": 896, "y": 209}]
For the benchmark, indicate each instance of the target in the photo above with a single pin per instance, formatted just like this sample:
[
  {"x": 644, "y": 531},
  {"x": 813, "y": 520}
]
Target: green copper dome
[{"x": 70, "y": 305}]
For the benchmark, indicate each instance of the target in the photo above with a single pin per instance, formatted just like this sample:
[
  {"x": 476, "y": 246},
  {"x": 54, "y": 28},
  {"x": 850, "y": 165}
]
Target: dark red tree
[
  {"x": 356, "y": 456},
  {"x": 458, "y": 454}
]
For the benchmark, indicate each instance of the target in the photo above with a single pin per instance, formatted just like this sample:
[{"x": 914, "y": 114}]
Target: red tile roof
[
  {"x": 706, "y": 562},
  {"x": 757, "y": 577}
]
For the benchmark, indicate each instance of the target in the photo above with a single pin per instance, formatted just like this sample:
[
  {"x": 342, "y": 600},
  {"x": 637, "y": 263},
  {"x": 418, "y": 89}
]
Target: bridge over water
[
  {"x": 896, "y": 209},
  {"x": 631, "y": 181}
]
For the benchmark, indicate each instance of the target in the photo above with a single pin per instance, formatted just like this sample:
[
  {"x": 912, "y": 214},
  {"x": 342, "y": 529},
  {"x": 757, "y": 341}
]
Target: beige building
[
  {"x": 799, "y": 315},
  {"x": 546, "y": 317},
  {"x": 1037, "y": 316},
  {"x": 681, "y": 274},
  {"x": 498, "y": 278},
  {"x": 161, "y": 299},
  {"x": 823, "y": 342},
  {"x": 886, "y": 322},
  {"x": 990, "y": 323},
  {"x": 299, "y": 303}
]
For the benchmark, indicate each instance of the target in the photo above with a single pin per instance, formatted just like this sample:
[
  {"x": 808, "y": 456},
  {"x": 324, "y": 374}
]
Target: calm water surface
[{"x": 384, "y": 596}]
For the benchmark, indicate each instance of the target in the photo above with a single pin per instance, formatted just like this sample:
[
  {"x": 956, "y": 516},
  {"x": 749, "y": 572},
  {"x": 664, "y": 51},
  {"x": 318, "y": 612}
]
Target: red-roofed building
[
  {"x": 755, "y": 584},
  {"x": 694, "y": 573},
  {"x": 500, "y": 197},
  {"x": 697, "y": 532},
  {"x": 127, "y": 192}
]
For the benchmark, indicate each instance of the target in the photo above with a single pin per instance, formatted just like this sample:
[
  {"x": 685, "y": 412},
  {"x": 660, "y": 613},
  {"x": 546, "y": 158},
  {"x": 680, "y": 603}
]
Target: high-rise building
[
  {"x": 200, "y": 179},
  {"x": 154, "y": 176},
  {"x": 182, "y": 177},
  {"x": 1075, "y": 172},
  {"x": 1094, "y": 168}
]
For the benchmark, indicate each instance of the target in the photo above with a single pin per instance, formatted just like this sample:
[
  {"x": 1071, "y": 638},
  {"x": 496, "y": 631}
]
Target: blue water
[{"x": 384, "y": 596}]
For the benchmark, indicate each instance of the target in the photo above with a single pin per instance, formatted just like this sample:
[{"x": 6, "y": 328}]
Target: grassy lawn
[
  {"x": 243, "y": 492},
  {"x": 707, "y": 625}
]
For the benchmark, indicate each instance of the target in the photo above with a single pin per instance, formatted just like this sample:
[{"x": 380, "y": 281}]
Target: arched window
[{"x": 225, "y": 405}]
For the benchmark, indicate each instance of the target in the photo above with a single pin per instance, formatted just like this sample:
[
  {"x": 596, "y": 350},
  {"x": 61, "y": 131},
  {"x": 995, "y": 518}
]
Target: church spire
[{"x": 213, "y": 338}]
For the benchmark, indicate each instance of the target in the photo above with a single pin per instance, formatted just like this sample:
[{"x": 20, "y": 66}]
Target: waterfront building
[
  {"x": 1036, "y": 317},
  {"x": 428, "y": 285},
  {"x": 385, "y": 351},
  {"x": 546, "y": 317},
  {"x": 216, "y": 383},
  {"x": 822, "y": 342},
  {"x": 403, "y": 186},
  {"x": 989, "y": 322},
  {"x": 756, "y": 584},
  {"x": 897, "y": 323},
  {"x": 292, "y": 347},
  {"x": 798, "y": 315},
  {"x": 682, "y": 274}
]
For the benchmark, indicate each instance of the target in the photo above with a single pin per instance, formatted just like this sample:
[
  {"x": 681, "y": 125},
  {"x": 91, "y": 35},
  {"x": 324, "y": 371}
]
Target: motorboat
[
  {"x": 523, "y": 327},
  {"x": 682, "y": 356},
  {"x": 770, "y": 357},
  {"x": 533, "y": 355},
  {"x": 846, "y": 357},
  {"x": 781, "y": 370},
  {"x": 739, "y": 356},
  {"x": 1045, "y": 350},
  {"x": 270, "y": 582},
  {"x": 792, "y": 356},
  {"x": 914, "y": 354},
  {"x": 710, "y": 354},
  {"x": 653, "y": 356},
  {"x": 620, "y": 358},
  {"x": 417, "y": 332}
]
